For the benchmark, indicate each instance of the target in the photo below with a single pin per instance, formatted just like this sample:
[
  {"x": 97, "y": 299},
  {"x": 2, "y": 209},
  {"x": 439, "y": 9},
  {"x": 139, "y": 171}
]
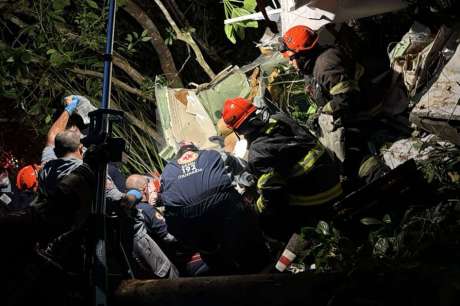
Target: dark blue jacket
[
  {"x": 154, "y": 221},
  {"x": 201, "y": 178}
]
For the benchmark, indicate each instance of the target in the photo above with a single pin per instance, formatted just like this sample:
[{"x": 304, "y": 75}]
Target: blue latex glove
[
  {"x": 70, "y": 108},
  {"x": 136, "y": 194}
]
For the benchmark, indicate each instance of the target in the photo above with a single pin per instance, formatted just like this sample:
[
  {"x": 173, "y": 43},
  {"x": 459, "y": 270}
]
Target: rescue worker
[
  {"x": 204, "y": 211},
  {"x": 296, "y": 177},
  {"x": 70, "y": 139},
  {"x": 27, "y": 186},
  {"x": 153, "y": 230},
  {"x": 338, "y": 86}
]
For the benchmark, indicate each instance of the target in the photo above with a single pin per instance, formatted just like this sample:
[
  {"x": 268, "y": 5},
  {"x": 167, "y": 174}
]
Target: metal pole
[
  {"x": 99, "y": 276},
  {"x": 107, "y": 83}
]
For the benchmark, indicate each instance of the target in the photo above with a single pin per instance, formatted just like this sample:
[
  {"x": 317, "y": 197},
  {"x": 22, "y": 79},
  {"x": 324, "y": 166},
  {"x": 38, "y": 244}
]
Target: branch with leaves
[
  {"x": 238, "y": 8},
  {"x": 188, "y": 39},
  {"x": 164, "y": 54},
  {"x": 115, "y": 82}
]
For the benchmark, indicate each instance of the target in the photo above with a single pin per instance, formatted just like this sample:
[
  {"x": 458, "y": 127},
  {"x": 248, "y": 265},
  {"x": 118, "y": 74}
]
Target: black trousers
[{"x": 226, "y": 234}]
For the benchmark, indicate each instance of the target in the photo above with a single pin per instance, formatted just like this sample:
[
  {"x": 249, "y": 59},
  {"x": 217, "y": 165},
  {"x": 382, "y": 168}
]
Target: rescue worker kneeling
[
  {"x": 204, "y": 211},
  {"x": 296, "y": 176}
]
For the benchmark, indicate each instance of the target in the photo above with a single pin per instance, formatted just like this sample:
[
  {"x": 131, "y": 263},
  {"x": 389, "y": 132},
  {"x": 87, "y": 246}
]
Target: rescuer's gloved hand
[
  {"x": 71, "y": 103},
  {"x": 133, "y": 197}
]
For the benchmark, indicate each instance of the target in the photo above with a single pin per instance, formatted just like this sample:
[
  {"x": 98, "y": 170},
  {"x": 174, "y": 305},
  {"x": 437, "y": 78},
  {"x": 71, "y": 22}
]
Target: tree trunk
[
  {"x": 115, "y": 82},
  {"x": 164, "y": 54},
  {"x": 234, "y": 290}
]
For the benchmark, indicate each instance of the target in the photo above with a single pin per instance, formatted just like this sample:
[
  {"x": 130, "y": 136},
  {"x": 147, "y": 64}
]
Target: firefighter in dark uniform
[
  {"x": 297, "y": 179},
  {"x": 204, "y": 211},
  {"x": 339, "y": 87}
]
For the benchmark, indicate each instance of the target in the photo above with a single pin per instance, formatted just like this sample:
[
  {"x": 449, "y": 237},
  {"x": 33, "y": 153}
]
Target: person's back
[
  {"x": 295, "y": 174},
  {"x": 203, "y": 210},
  {"x": 196, "y": 178}
]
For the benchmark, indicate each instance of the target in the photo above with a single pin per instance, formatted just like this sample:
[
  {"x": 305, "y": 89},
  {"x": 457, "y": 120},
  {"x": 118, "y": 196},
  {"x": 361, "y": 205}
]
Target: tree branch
[
  {"x": 124, "y": 65},
  {"x": 115, "y": 82},
  {"x": 118, "y": 60},
  {"x": 188, "y": 39},
  {"x": 209, "y": 49},
  {"x": 164, "y": 54},
  {"x": 142, "y": 126}
]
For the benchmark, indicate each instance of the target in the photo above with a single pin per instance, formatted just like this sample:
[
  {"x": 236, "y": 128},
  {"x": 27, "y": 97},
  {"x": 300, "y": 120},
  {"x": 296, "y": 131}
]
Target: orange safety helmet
[
  {"x": 236, "y": 111},
  {"x": 27, "y": 178},
  {"x": 298, "y": 39}
]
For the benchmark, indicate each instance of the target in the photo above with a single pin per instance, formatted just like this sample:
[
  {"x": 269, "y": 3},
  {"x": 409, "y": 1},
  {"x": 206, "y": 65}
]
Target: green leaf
[
  {"x": 57, "y": 59},
  {"x": 57, "y": 17},
  {"x": 10, "y": 59},
  {"x": 121, "y": 3},
  {"x": 370, "y": 221},
  {"x": 129, "y": 37},
  {"x": 48, "y": 119},
  {"x": 250, "y": 5},
  {"x": 230, "y": 33},
  {"x": 59, "y": 5},
  {"x": 51, "y": 51},
  {"x": 386, "y": 219},
  {"x": 144, "y": 33},
  {"x": 146, "y": 38},
  {"x": 130, "y": 46},
  {"x": 239, "y": 11},
  {"x": 240, "y": 32},
  {"x": 26, "y": 57},
  {"x": 323, "y": 228},
  {"x": 136, "y": 36},
  {"x": 92, "y": 4}
]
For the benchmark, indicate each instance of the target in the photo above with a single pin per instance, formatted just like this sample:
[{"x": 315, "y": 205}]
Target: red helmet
[
  {"x": 27, "y": 178},
  {"x": 236, "y": 111},
  {"x": 298, "y": 39}
]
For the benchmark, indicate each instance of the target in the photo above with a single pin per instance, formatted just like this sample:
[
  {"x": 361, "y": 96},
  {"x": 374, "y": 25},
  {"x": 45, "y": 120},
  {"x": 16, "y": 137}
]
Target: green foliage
[
  {"x": 133, "y": 39},
  {"x": 236, "y": 8},
  {"x": 56, "y": 36},
  {"x": 170, "y": 36},
  {"x": 420, "y": 235}
]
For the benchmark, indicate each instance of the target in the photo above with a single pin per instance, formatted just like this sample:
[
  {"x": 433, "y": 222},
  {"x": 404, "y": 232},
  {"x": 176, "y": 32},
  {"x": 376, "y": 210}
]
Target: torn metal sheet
[
  {"x": 417, "y": 149},
  {"x": 194, "y": 115},
  {"x": 438, "y": 110},
  {"x": 317, "y": 13},
  {"x": 227, "y": 84},
  {"x": 182, "y": 117}
]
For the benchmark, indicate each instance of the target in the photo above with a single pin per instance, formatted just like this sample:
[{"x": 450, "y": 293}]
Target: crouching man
[{"x": 204, "y": 210}]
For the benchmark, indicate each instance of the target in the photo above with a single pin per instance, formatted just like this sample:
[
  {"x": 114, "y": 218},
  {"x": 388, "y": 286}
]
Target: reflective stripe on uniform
[
  {"x": 270, "y": 178},
  {"x": 270, "y": 126},
  {"x": 264, "y": 182},
  {"x": 346, "y": 86},
  {"x": 307, "y": 164},
  {"x": 260, "y": 204},
  {"x": 319, "y": 198}
]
